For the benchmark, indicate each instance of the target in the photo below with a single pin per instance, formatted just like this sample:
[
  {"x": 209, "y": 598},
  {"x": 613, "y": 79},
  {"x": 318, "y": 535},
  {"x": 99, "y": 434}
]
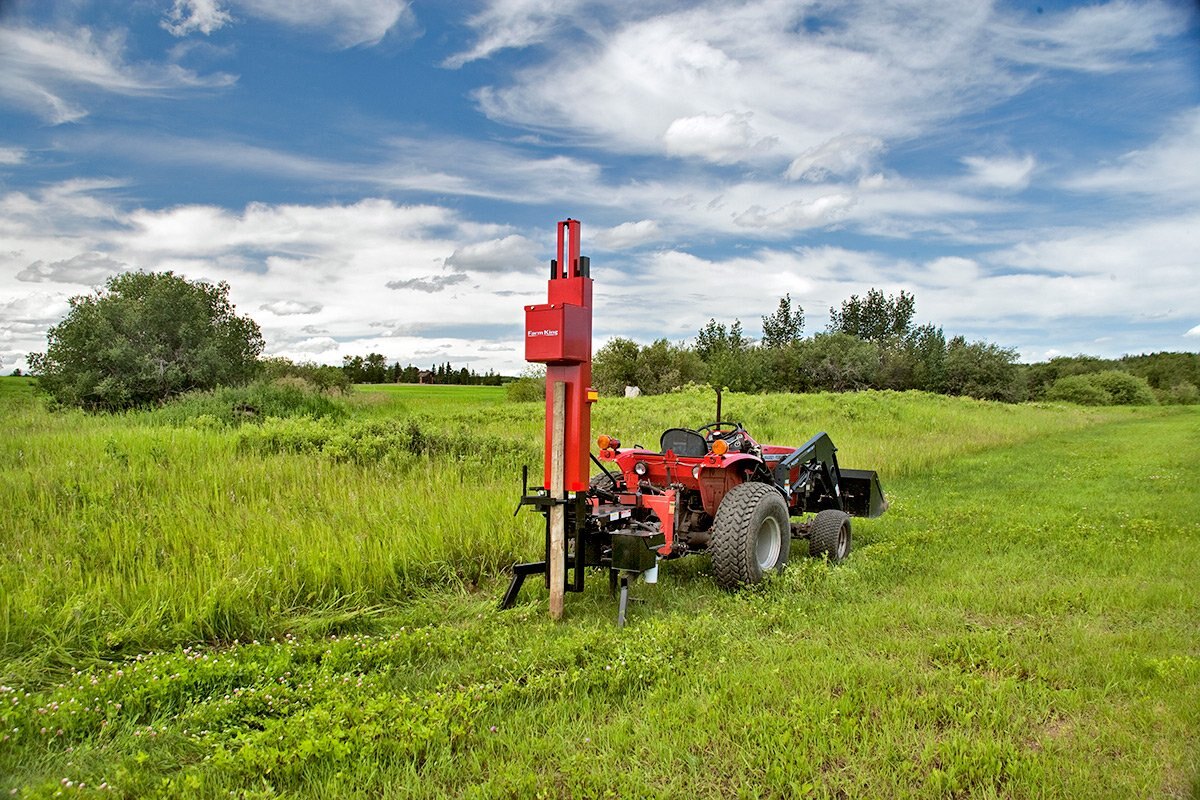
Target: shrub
[
  {"x": 1077, "y": 389},
  {"x": 234, "y": 405},
  {"x": 1124, "y": 389},
  {"x": 145, "y": 338},
  {"x": 1181, "y": 394},
  {"x": 1108, "y": 388}
]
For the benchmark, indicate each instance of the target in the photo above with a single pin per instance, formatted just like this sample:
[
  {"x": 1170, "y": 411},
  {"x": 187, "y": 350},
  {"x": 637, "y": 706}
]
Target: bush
[
  {"x": 1077, "y": 389},
  {"x": 1108, "y": 388},
  {"x": 322, "y": 376},
  {"x": 835, "y": 362},
  {"x": 1124, "y": 389},
  {"x": 234, "y": 405},
  {"x": 1181, "y": 394},
  {"x": 374, "y": 441},
  {"x": 143, "y": 339}
]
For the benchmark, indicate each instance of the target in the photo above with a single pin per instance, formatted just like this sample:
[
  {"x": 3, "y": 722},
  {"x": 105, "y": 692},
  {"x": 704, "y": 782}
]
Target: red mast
[{"x": 559, "y": 335}]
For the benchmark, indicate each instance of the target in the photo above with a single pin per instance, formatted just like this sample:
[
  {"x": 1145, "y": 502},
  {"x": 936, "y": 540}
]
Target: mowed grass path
[{"x": 1022, "y": 623}]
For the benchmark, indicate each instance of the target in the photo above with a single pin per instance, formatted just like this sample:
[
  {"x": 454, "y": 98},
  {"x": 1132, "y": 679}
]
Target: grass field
[{"x": 307, "y": 609}]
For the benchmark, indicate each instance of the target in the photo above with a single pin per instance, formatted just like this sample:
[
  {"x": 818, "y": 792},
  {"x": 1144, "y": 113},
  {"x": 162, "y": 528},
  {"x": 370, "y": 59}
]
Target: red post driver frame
[{"x": 558, "y": 334}]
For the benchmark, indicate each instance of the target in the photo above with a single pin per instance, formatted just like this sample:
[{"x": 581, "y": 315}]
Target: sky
[{"x": 385, "y": 176}]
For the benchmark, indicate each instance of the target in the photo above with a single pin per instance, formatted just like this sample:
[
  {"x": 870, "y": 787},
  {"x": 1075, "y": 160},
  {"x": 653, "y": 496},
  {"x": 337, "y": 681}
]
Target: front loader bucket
[{"x": 862, "y": 496}]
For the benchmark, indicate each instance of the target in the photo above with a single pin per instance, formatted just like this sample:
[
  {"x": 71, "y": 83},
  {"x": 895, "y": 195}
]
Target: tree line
[
  {"x": 147, "y": 337},
  {"x": 871, "y": 342},
  {"x": 374, "y": 368}
]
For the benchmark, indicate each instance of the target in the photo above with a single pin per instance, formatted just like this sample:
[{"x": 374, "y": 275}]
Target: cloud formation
[
  {"x": 42, "y": 71},
  {"x": 1001, "y": 172},
  {"x": 289, "y": 308},
  {"x": 429, "y": 284},
  {"x": 85, "y": 268},
  {"x": 507, "y": 254},
  {"x": 188, "y": 16}
]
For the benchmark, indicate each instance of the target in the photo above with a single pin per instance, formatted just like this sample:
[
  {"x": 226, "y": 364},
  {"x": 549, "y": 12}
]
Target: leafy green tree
[
  {"x": 983, "y": 370},
  {"x": 375, "y": 368},
  {"x": 927, "y": 347},
  {"x": 783, "y": 327},
  {"x": 353, "y": 366},
  {"x": 663, "y": 366},
  {"x": 725, "y": 353},
  {"x": 876, "y": 317},
  {"x": 145, "y": 337},
  {"x": 615, "y": 366},
  {"x": 836, "y": 362}
]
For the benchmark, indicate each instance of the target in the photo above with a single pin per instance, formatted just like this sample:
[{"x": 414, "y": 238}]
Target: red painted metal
[{"x": 558, "y": 334}]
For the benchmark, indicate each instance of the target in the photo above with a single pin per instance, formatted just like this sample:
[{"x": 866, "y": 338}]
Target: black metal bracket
[{"x": 576, "y": 519}]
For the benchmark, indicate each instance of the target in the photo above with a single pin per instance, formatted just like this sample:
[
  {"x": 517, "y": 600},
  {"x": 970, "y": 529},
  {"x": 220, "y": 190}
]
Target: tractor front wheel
[
  {"x": 830, "y": 535},
  {"x": 750, "y": 535}
]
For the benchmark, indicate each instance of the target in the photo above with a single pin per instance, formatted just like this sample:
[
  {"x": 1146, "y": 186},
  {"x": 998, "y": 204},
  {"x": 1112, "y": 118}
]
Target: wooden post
[{"x": 558, "y": 520}]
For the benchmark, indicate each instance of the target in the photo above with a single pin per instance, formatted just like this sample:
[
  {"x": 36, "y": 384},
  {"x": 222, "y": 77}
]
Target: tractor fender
[{"x": 718, "y": 474}]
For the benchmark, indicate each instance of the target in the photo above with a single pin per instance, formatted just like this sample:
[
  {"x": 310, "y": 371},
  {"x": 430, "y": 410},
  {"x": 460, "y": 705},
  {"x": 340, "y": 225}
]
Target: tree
[
  {"x": 836, "y": 362},
  {"x": 984, "y": 370},
  {"x": 615, "y": 366},
  {"x": 353, "y": 367},
  {"x": 725, "y": 353},
  {"x": 784, "y": 326},
  {"x": 875, "y": 318},
  {"x": 663, "y": 366},
  {"x": 374, "y": 368},
  {"x": 146, "y": 337}
]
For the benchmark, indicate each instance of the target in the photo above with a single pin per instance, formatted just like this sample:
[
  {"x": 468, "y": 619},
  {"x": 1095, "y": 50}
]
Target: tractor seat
[{"x": 684, "y": 442}]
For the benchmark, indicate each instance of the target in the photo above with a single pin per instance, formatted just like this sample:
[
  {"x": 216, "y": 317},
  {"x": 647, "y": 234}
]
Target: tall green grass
[
  {"x": 122, "y": 533},
  {"x": 1020, "y": 624}
]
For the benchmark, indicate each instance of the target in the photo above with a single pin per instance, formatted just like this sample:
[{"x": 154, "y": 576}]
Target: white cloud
[
  {"x": 1094, "y": 38},
  {"x": 430, "y": 284},
  {"x": 11, "y": 155},
  {"x": 288, "y": 308},
  {"x": 722, "y": 139},
  {"x": 1169, "y": 167},
  {"x": 351, "y": 23},
  {"x": 843, "y": 155},
  {"x": 1001, "y": 172},
  {"x": 798, "y": 214},
  {"x": 39, "y": 69},
  {"x": 187, "y": 16},
  {"x": 84, "y": 268},
  {"x": 507, "y": 254},
  {"x": 289, "y": 230},
  {"x": 627, "y": 234},
  {"x": 1194, "y": 331},
  {"x": 504, "y": 24},
  {"x": 654, "y": 80}
]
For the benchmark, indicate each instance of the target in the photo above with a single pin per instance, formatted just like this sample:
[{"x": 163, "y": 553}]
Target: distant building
[{"x": 424, "y": 376}]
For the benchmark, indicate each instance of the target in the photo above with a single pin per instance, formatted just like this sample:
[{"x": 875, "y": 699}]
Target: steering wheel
[{"x": 714, "y": 427}]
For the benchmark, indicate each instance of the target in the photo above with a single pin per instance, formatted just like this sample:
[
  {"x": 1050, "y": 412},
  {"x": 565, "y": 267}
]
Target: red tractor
[
  {"x": 710, "y": 490},
  {"x": 717, "y": 490}
]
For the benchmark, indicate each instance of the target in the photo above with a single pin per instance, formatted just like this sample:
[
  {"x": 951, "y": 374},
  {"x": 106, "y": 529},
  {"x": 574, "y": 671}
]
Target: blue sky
[{"x": 378, "y": 175}]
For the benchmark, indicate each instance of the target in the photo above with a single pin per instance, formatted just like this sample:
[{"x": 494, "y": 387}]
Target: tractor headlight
[{"x": 641, "y": 468}]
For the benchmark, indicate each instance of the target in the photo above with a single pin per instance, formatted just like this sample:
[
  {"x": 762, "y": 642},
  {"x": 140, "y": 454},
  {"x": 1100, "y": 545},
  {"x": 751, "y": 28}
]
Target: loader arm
[{"x": 813, "y": 481}]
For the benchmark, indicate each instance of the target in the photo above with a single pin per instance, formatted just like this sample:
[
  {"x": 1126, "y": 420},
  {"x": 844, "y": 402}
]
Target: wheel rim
[
  {"x": 766, "y": 546},
  {"x": 843, "y": 541}
]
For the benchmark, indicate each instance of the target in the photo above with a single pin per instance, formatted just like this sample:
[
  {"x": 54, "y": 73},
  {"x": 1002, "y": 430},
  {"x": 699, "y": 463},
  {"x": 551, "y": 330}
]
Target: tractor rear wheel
[
  {"x": 603, "y": 482},
  {"x": 830, "y": 535},
  {"x": 750, "y": 535}
]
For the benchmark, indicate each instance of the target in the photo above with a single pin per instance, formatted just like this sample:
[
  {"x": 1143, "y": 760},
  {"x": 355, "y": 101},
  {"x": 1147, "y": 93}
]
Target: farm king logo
[{"x": 543, "y": 332}]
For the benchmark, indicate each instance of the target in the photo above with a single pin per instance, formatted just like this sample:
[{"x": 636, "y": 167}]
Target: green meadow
[{"x": 201, "y": 605}]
